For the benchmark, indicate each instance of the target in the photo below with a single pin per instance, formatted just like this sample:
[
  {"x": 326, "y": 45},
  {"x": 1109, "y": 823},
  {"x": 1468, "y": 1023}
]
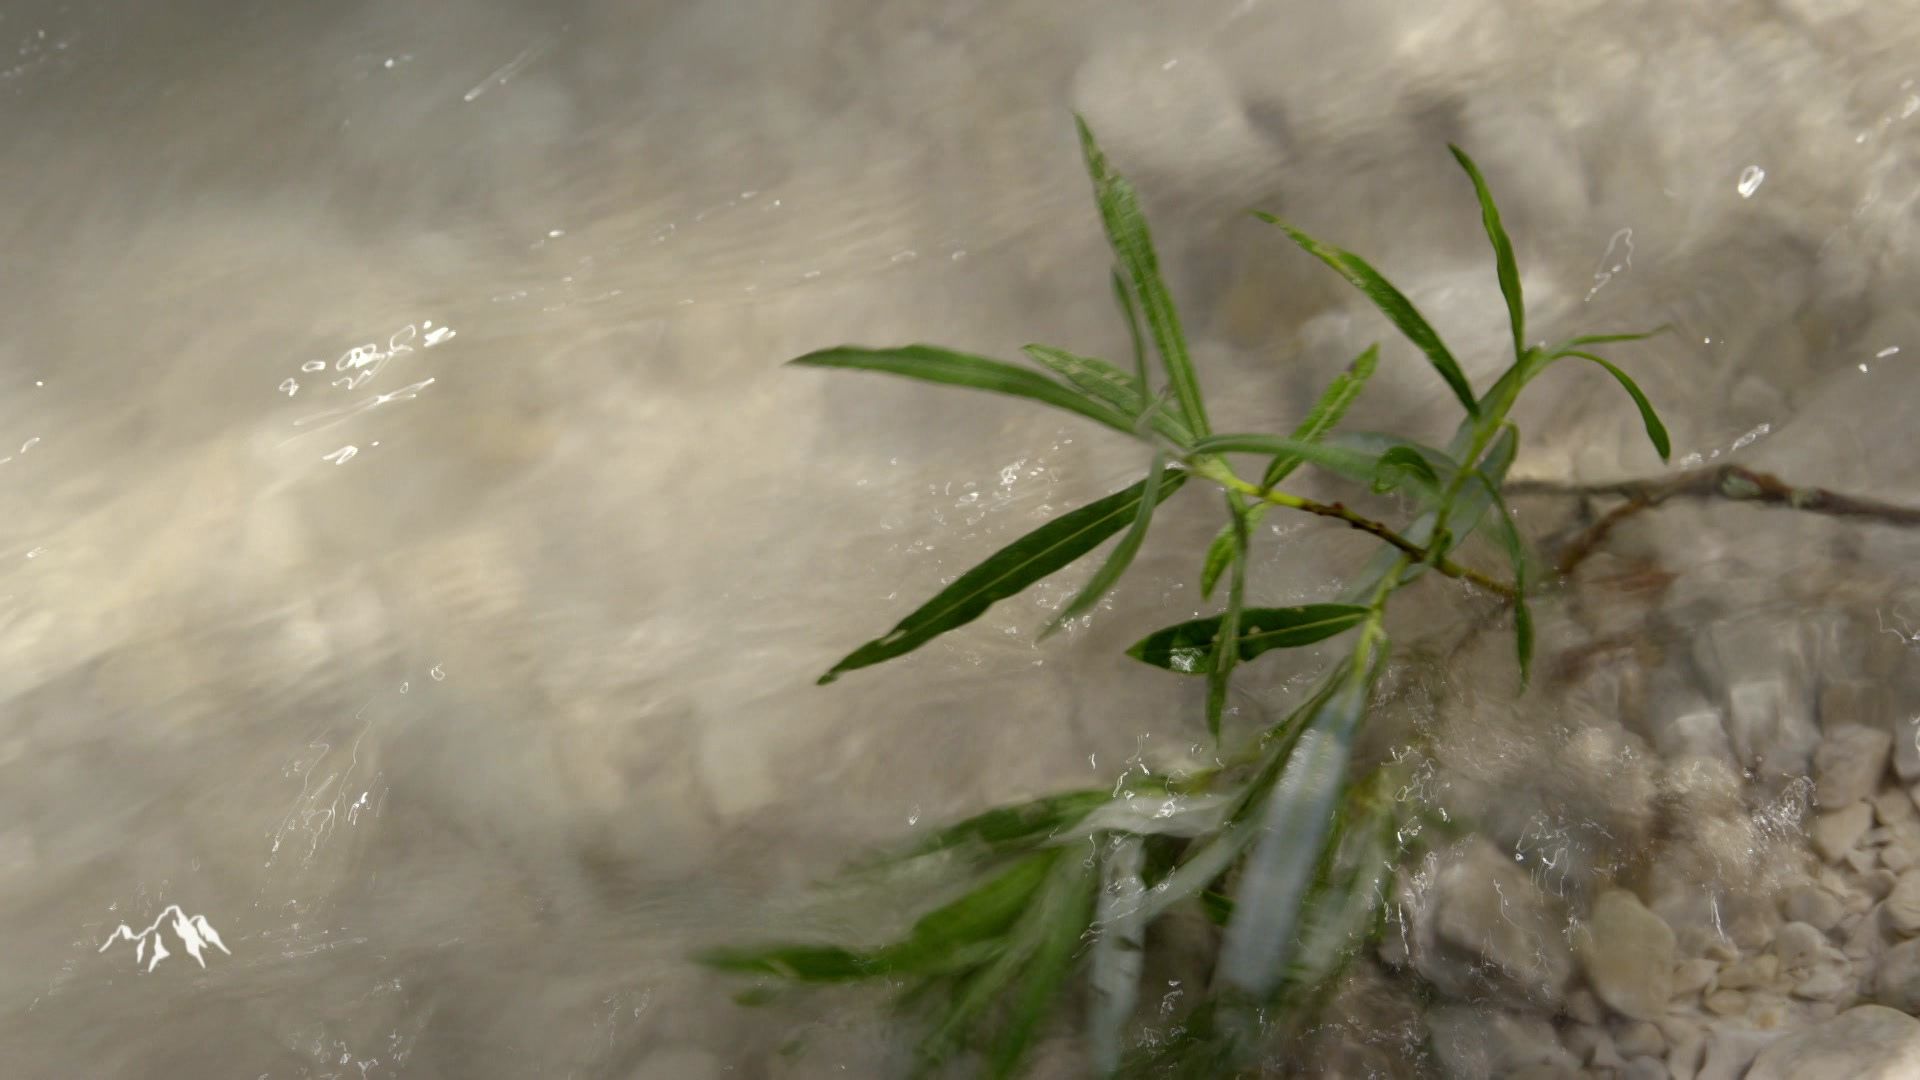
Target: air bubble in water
[{"x": 1750, "y": 179}]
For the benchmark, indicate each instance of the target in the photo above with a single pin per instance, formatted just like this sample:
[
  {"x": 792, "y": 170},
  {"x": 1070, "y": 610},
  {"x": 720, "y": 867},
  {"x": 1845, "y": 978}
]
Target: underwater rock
[
  {"x": 1868, "y": 1042},
  {"x": 1812, "y": 905},
  {"x": 1483, "y": 928},
  {"x": 1628, "y": 954},
  {"x": 1902, "y": 907},
  {"x": 1836, "y": 833},
  {"x": 1478, "y": 1043},
  {"x": 1897, "y": 983},
  {"x": 1849, "y": 763}
]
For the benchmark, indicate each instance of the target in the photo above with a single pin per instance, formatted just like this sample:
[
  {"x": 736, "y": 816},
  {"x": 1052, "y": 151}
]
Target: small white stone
[
  {"x": 1902, "y": 907},
  {"x": 1849, "y": 763},
  {"x": 1628, "y": 953},
  {"x": 1864, "y": 1043},
  {"x": 1896, "y": 858},
  {"x": 1835, "y": 833},
  {"x": 1693, "y": 976},
  {"x": 1897, "y": 983},
  {"x": 1812, "y": 905},
  {"x": 1825, "y": 984},
  {"x": 1641, "y": 1039}
]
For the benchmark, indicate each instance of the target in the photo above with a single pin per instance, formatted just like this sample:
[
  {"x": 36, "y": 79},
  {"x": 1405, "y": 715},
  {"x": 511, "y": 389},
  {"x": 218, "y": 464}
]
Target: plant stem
[
  {"x": 1735, "y": 483},
  {"x": 1365, "y": 524}
]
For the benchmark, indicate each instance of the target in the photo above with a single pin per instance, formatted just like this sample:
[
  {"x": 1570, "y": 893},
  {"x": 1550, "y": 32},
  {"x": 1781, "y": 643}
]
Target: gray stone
[
  {"x": 1836, "y": 832},
  {"x": 1644, "y": 1068},
  {"x": 1902, "y": 906},
  {"x": 1770, "y": 727},
  {"x": 1801, "y": 948},
  {"x": 1641, "y": 1039},
  {"x": 1628, "y": 953},
  {"x": 1731, "y": 1050},
  {"x": 1478, "y": 1043},
  {"x": 1482, "y": 928},
  {"x": 1850, "y": 762},
  {"x": 1825, "y": 984},
  {"x": 1700, "y": 733},
  {"x": 1867, "y": 1042},
  {"x": 1897, "y": 983},
  {"x": 1812, "y": 905}
]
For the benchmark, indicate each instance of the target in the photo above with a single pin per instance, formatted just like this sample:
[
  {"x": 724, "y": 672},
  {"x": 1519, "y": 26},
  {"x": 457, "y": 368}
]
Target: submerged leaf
[
  {"x": 1006, "y": 572},
  {"x": 1121, "y": 557},
  {"x": 801, "y": 963},
  {"x": 1183, "y": 648},
  {"x": 1585, "y": 340},
  {"x": 1509, "y": 533},
  {"x": 1121, "y": 296},
  {"x": 1327, "y": 412},
  {"x": 1392, "y": 303},
  {"x": 1293, "y": 827},
  {"x": 1656, "y": 431},
  {"x": 1112, "y": 386},
  {"x": 955, "y": 930},
  {"x": 1404, "y": 466},
  {"x": 1225, "y": 653},
  {"x": 1219, "y": 557},
  {"x": 1505, "y": 266},
  {"x": 1061, "y": 920},
  {"x": 936, "y": 365},
  {"x": 1118, "y": 953},
  {"x": 1127, "y": 233},
  {"x": 1341, "y": 459},
  {"x": 1009, "y": 828}
]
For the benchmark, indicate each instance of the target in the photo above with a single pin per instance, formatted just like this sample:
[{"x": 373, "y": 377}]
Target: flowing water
[{"x": 416, "y": 561}]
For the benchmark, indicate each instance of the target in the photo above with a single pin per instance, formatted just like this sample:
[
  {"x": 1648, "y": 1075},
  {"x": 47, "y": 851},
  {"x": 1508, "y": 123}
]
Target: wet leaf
[
  {"x": 1121, "y": 557},
  {"x": 1005, "y": 573},
  {"x": 1293, "y": 828},
  {"x": 955, "y": 930},
  {"x": 1219, "y": 557},
  {"x": 936, "y": 365},
  {"x": 1656, "y": 431},
  {"x": 1218, "y": 906},
  {"x": 1127, "y": 232},
  {"x": 802, "y": 963},
  {"x": 1061, "y": 920},
  {"x": 1338, "y": 458},
  {"x": 1505, "y": 266},
  {"x": 1404, "y": 466},
  {"x": 1509, "y": 533},
  {"x": 1326, "y": 413},
  {"x": 1225, "y": 655},
  {"x": 1118, "y": 953},
  {"x": 1143, "y": 383},
  {"x": 1009, "y": 828},
  {"x": 1392, "y": 303},
  {"x": 1183, "y": 648},
  {"x": 1585, "y": 340},
  {"x": 1112, "y": 386}
]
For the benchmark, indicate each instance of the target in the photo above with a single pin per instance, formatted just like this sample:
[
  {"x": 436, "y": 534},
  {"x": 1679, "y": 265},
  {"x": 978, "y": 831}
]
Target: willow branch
[{"x": 1735, "y": 483}]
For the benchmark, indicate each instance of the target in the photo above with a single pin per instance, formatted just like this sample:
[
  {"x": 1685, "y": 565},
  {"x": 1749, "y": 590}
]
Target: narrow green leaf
[
  {"x": 981, "y": 915},
  {"x": 1656, "y": 431},
  {"x": 936, "y": 365},
  {"x": 1218, "y": 906},
  {"x": 1254, "y": 952},
  {"x": 1219, "y": 556},
  {"x": 1517, "y": 555},
  {"x": 1185, "y": 647},
  {"x": 1013, "y": 828},
  {"x": 1111, "y": 386},
  {"x": 1327, "y": 412},
  {"x": 1469, "y": 510},
  {"x": 1063, "y": 916},
  {"x": 1127, "y": 232},
  {"x": 1404, "y": 465},
  {"x": 1504, "y": 264},
  {"x": 1142, "y": 382},
  {"x": 1392, "y": 303},
  {"x": 1225, "y": 646},
  {"x": 1585, "y": 340},
  {"x": 1340, "y": 459},
  {"x": 802, "y": 963},
  {"x": 1340, "y": 915},
  {"x": 1006, "y": 572},
  {"x": 1118, "y": 953},
  {"x": 1121, "y": 557}
]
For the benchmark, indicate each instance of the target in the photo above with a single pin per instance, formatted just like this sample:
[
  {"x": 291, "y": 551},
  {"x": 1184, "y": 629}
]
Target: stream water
[{"x": 416, "y": 562}]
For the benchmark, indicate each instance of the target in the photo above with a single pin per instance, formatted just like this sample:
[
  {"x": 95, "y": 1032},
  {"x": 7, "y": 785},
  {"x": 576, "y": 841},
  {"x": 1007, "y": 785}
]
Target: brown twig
[{"x": 1735, "y": 483}]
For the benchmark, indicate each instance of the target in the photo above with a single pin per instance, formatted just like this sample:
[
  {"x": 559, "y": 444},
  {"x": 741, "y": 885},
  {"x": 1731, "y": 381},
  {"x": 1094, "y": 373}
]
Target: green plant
[{"x": 1275, "y": 843}]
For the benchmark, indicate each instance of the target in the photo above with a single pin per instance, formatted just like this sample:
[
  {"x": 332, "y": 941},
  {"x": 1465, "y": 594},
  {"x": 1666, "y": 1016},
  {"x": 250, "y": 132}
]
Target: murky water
[{"x": 416, "y": 561}]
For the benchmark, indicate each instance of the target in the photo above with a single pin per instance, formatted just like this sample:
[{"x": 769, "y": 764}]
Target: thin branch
[
  {"x": 1735, "y": 483},
  {"x": 1375, "y": 528}
]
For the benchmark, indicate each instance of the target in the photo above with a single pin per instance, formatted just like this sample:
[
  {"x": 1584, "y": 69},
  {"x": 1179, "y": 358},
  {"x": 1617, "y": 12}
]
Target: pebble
[
  {"x": 1897, "y": 983},
  {"x": 1849, "y": 763},
  {"x": 1641, "y": 1039},
  {"x": 1478, "y": 1043},
  {"x": 1896, "y": 858},
  {"x": 1644, "y": 1068},
  {"x": 1801, "y": 947},
  {"x": 1868, "y": 1042},
  {"x": 1726, "y": 1003},
  {"x": 1812, "y": 905},
  {"x": 1835, "y": 833},
  {"x": 1747, "y": 974},
  {"x": 1628, "y": 953},
  {"x": 1488, "y": 929},
  {"x": 1731, "y": 1050},
  {"x": 1902, "y": 907},
  {"x": 1826, "y": 984},
  {"x": 1693, "y": 976},
  {"x": 1584, "y": 1007}
]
